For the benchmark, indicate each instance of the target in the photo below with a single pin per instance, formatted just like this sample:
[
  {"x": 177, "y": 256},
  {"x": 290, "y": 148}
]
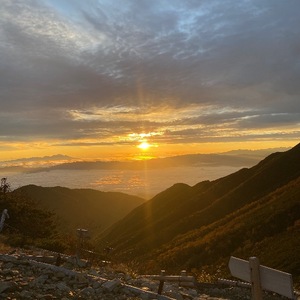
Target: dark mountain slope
[
  {"x": 232, "y": 192},
  {"x": 268, "y": 228},
  {"x": 227, "y": 194},
  {"x": 84, "y": 208},
  {"x": 144, "y": 220},
  {"x": 182, "y": 208}
]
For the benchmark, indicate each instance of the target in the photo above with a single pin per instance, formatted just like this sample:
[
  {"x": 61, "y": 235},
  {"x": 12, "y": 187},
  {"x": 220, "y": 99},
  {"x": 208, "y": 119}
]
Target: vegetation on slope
[
  {"x": 82, "y": 208},
  {"x": 27, "y": 224},
  {"x": 49, "y": 217},
  {"x": 254, "y": 230},
  {"x": 200, "y": 227}
]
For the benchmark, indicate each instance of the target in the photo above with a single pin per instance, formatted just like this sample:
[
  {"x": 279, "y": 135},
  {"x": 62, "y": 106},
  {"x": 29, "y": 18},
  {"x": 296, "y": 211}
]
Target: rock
[
  {"x": 192, "y": 293},
  {"x": 8, "y": 266},
  {"x": 62, "y": 286},
  {"x": 175, "y": 295},
  {"x": 45, "y": 297},
  {"x": 81, "y": 263},
  {"x": 59, "y": 275},
  {"x": 87, "y": 292},
  {"x": 25, "y": 294},
  {"x": 150, "y": 285},
  {"x": 96, "y": 285},
  {"x": 127, "y": 277},
  {"x": 9, "y": 272},
  {"x": 112, "y": 284},
  {"x": 6, "y": 285},
  {"x": 41, "y": 279},
  {"x": 93, "y": 272},
  {"x": 81, "y": 278},
  {"x": 32, "y": 280}
]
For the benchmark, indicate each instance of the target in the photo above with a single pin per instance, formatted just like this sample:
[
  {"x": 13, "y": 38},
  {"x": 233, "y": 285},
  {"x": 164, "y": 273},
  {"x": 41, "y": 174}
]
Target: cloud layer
[{"x": 188, "y": 71}]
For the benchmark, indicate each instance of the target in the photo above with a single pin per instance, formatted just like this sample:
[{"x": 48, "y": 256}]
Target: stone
[
  {"x": 63, "y": 287},
  {"x": 41, "y": 279},
  {"x": 8, "y": 266},
  {"x": 8, "y": 272},
  {"x": 31, "y": 280},
  {"x": 82, "y": 281},
  {"x": 175, "y": 295},
  {"x": 81, "y": 263},
  {"x": 59, "y": 275},
  {"x": 6, "y": 285},
  {"x": 192, "y": 293},
  {"x": 48, "y": 287},
  {"x": 88, "y": 291},
  {"x": 96, "y": 285},
  {"x": 93, "y": 272},
  {"x": 25, "y": 294},
  {"x": 112, "y": 284},
  {"x": 45, "y": 297}
]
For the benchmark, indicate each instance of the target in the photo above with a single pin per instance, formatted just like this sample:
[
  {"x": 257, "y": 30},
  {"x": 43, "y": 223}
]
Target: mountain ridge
[{"x": 181, "y": 209}]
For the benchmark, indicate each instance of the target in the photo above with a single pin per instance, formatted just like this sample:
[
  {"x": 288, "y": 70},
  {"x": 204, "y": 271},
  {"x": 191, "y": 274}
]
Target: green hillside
[
  {"x": 82, "y": 208},
  {"x": 254, "y": 211}
]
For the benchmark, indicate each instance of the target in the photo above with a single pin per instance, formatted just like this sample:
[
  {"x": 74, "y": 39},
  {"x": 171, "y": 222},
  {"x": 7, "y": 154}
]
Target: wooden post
[
  {"x": 255, "y": 278},
  {"x": 262, "y": 277},
  {"x": 78, "y": 248},
  {"x": 161, "y": 282},
  {"x": 82, "y": 235}
]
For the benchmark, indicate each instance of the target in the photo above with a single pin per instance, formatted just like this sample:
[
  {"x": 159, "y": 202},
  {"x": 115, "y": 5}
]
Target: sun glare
[{"x": 144, "y": 145}]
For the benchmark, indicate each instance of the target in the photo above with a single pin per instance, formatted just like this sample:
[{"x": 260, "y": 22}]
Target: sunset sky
[{"x": 130, "y": 79}]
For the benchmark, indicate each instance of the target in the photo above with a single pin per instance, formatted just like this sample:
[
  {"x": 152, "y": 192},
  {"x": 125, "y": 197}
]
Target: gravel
[{"x": 31, "y": 276}]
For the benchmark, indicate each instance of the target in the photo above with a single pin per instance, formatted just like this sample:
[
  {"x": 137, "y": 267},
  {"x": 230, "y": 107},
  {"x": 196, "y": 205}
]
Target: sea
[{"x": 145, "y": 184}]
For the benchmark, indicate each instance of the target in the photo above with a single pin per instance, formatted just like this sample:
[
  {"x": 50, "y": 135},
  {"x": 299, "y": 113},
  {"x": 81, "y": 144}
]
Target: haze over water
[
  {"x": 142, "y": 178},
  {"x": 145, "y": 184}
]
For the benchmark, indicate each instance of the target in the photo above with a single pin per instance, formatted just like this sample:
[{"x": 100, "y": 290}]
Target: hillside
[
  {"x": 254, "y": 211},
  {"x": 82, "y": 208}
]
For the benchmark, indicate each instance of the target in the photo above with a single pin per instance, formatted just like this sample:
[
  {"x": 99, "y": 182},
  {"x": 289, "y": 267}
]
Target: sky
[{"x": 134, "y": 79}]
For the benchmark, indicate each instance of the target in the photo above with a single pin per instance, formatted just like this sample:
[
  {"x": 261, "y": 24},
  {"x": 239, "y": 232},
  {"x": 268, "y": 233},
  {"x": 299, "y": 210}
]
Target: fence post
[
  {"x": 255, "y": 278},
  {"x": 82, "y": 235},
  {"x": 161, "y": 282}
]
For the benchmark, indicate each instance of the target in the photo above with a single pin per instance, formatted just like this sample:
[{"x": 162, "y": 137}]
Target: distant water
[{"x": 145, "y": 184}]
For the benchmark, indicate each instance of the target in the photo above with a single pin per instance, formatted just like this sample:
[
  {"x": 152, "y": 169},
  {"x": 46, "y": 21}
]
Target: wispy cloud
[{"x": 95, "y": 71}]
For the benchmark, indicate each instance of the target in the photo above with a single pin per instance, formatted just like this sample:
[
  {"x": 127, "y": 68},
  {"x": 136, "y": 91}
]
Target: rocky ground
[{"x": 33, "y": 275}]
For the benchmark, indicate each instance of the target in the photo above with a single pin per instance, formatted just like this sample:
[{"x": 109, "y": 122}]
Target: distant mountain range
[
  {"x": 237, "y": 158},
  {"x": 30, "y": 163},
  {"x": 253, "y": 212}
]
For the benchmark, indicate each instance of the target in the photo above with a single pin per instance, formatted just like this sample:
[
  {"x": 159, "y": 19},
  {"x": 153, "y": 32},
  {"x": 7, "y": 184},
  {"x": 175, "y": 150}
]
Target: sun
[{"x": 144, "y": 145}]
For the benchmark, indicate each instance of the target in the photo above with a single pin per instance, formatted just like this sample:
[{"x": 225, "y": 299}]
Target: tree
[
  {"x": 27, "y": 223},
  {"x": 5, "y": 186}
]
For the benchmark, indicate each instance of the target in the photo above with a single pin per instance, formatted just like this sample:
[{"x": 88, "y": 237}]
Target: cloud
[{"x": 180, "y": 58}]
